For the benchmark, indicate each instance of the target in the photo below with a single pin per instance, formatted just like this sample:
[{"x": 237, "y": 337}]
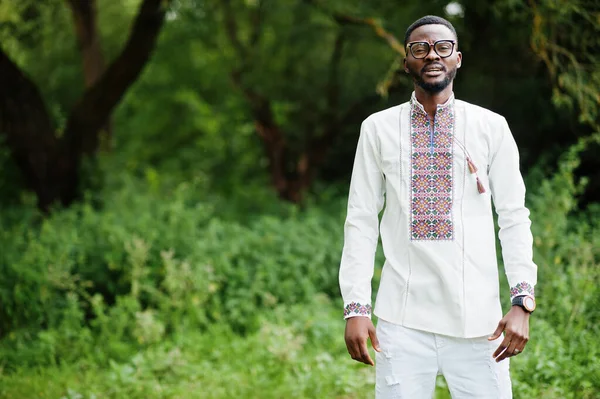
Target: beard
[{"x": 432, "y": 87}]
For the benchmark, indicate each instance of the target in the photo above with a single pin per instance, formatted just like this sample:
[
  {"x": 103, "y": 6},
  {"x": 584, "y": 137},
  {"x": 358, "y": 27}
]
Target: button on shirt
[{"x": 437, "y": 179}]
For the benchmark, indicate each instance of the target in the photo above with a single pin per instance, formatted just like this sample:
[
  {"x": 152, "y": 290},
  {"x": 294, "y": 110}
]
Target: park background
[{"x": 173, "y": 182}]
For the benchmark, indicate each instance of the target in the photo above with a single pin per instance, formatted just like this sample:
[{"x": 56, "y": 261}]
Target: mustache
[{"x": 433, "y": 65}]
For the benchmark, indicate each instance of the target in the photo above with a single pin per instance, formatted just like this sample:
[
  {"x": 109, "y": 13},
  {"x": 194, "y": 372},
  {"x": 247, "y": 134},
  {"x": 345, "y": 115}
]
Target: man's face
[{"x": 432, "y": 73}]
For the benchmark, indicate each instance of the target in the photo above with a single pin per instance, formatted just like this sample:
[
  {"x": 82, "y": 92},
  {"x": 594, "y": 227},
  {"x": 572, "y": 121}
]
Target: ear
[
  {"x": 405, "y": 67},
  {"x": 459, "y": 54}
]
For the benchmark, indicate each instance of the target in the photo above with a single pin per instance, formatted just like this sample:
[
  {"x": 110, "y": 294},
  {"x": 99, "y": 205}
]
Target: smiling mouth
[
  {"x": 433, "y": 72},
  {"x": 433, "y": 69}
]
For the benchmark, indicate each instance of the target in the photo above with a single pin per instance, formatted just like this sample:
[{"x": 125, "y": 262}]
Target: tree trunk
[
  {"x": 28, "y": 130},
  {"x": 291, "y": 178},
  {"x": 50, "y": 164},
  {"x": 84, "y": 20}
]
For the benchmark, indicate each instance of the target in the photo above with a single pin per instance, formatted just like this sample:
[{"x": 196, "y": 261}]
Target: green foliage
[
  {"x": 296, "y": 353},
  {"x": 285, "y": 358},
  {"x": 571, "y": 55},
  {"x": 163, "y": 284},
  {"x": 560, "y": 359},
  {"x": 153, "y": 261},
  {"x": 183, "y": 276},
  {"x": 185, "y": 117}
]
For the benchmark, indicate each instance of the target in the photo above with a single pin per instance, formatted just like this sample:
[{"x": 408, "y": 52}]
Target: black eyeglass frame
[{"x": 409, "y": 46}]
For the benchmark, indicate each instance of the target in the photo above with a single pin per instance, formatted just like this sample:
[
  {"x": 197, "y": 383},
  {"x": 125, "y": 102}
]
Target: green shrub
[
  {"x": 561, "y": 360},
  {"x": 155, "y": 259},
  {"x": 100, "y": 285}
]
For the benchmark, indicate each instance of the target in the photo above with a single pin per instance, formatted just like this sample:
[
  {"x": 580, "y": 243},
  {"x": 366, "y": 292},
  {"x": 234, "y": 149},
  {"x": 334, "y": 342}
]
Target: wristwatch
[{"x": 527, "y": 302}]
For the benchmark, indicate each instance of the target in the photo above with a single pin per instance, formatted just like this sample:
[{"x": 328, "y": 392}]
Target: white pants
[{"x": 410, "y": 360}]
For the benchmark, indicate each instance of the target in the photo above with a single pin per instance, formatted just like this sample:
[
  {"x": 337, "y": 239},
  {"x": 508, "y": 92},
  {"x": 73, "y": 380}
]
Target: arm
[
  {"x": 361, "y": 233},
  {"x": 508, "y": 192}
]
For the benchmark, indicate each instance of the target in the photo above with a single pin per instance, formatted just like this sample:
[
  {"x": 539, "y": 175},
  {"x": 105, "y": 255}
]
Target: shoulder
[
  {"x": 385, "y": 114},
  {"x": 386, "y": 118},
  {"x": 487, "y": 125},
  {"x": 481, "y": 115},
  {"x": 381, "y": 128}
]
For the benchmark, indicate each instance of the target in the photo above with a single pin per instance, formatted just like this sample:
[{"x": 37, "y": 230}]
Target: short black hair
[{"x": 428, "y": 20}]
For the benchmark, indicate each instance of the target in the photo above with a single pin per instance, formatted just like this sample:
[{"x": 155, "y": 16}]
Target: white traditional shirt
[{"x": 437, "y": 179}]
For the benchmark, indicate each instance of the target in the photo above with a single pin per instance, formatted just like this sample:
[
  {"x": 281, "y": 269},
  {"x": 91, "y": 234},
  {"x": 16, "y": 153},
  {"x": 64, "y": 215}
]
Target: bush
[
  {"x": 561, "y": 360},
  {"x": 154, "y": 260},
  {"x": 294, "y": 354},
  {"x": 100, "y": 285}
]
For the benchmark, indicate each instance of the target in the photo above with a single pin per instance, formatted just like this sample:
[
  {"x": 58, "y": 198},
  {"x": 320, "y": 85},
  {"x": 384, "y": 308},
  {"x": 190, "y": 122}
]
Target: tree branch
[
  {"x": 86, "y": 30},
  {"x": 262, "y": 112},
  {"x": 379, "y": 30},
  {"x": 49, "y": 163},
  {"x": 391, "y": 81},
  {"x": 84, "y": 19},
  {"x": 373, "y": 23},
  {"x": 89, "y": 114}
]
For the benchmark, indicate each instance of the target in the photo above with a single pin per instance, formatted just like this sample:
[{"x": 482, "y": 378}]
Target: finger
[
  {"x": 374, "y": 340},
  {"x": 506, "y": 354},
  {"x": 503, "y": 355},
  {"x": 518, "y": 350},
  {"x": 520, "y": 346},
  {"x": 502, "y": 347},
  {"x": 364, "y": 354},
  {"x": 498, "y": 331},
  {"x": 353, "y": 349},
  {"x": 510, "y": 350}
]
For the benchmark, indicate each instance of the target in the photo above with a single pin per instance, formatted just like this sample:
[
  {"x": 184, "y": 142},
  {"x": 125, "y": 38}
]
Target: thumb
[
  {"x": 498, "y": 331},
  {"x": 373, "y": 337}
]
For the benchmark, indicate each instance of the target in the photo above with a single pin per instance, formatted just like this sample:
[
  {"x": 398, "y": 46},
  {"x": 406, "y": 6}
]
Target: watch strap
[{"x": 518, "y": 301}]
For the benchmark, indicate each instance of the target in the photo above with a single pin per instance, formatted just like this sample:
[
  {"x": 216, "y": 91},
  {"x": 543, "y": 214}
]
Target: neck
[{"x": 430, "y": 101}]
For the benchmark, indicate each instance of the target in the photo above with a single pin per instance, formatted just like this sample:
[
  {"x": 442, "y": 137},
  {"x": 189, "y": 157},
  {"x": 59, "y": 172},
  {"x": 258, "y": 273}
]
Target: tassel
[
  {"x": 480, "y": 187},
  {"x": 472, "y": 167}
]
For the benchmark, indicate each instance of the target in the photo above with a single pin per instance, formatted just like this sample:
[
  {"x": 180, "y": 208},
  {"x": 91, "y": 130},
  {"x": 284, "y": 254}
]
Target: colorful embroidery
[
  {"x": 355, "y": 308},
  {"x": 431, "y": 174},
  {"x": 523, "y": 288}
]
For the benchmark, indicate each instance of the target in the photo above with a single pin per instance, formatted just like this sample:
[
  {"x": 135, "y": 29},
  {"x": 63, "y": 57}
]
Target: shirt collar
[{"x": 419, "y": 106}]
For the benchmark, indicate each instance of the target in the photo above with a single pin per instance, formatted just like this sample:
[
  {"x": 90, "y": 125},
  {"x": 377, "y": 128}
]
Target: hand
[
  {"x": 516, "y": 327},
  {"x": 358, "y": 329}
]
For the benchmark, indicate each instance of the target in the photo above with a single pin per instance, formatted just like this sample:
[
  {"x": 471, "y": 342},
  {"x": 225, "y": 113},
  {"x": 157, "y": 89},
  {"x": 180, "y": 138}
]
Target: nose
[{"x": 432, "y": 55}]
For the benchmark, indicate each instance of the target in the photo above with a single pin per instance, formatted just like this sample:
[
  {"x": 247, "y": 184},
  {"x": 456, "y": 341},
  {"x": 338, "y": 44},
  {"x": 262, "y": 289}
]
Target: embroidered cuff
[
  {"x": 356, "y": 309},
  {"x": 522, "y": 288}
]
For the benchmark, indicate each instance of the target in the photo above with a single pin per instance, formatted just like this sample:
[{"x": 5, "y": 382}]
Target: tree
[
  {"x": 565, "y": 39},
  {"x": 296, "y": 152},
  {"x": 49, "y": 160},
  {"x": 85, "y": 22}
]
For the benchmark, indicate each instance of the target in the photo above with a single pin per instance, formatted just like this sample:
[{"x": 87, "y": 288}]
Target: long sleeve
[
  {"x": 361, "y": 229},
  {"x": 508, "y": 193}
]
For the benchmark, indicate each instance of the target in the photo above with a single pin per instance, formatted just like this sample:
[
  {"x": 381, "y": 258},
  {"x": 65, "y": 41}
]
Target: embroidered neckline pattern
[
  {"x": 431, "y": 174},
  {"x": 355, "y": 308},
  {"x": 521, "y": 289}
]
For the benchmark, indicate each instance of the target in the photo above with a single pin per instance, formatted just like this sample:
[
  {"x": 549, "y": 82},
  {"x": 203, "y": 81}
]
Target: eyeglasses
[{"x": 443, "y": 48}]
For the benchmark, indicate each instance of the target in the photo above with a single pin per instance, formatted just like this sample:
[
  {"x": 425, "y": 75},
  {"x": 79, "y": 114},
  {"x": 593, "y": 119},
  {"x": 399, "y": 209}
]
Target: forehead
[{"x": 431, "y": 33}]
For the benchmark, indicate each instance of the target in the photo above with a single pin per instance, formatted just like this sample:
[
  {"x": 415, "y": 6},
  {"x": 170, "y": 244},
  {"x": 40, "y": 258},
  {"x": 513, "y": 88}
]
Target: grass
[
  {"x": 298, "y": 352},
  {"x": 294, "y": 354}
]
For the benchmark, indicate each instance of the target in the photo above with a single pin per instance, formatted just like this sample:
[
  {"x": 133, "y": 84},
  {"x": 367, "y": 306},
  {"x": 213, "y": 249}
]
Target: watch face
[{"x": 529, "y": 303}]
